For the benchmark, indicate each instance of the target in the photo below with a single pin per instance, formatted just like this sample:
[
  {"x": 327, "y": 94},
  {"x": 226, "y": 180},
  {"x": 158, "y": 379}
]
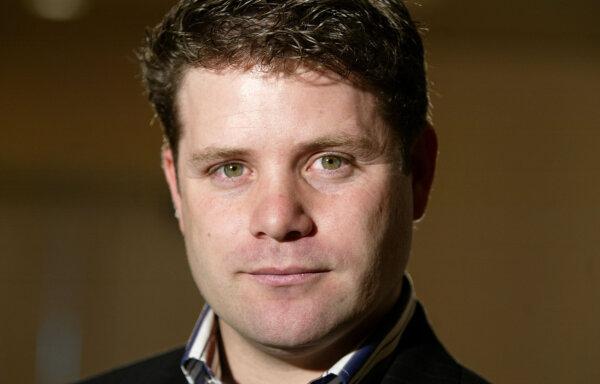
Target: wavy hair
[{"x": 373, "y": 43}]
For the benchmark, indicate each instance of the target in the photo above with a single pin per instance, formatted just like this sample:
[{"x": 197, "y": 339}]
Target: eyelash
[
  {"x": 220, "y": 168},
  {"x": 345, "y": 161}
]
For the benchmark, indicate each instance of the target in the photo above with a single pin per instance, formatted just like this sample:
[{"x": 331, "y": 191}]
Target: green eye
[
  {"x": 331, "y": 162},
  {"x": 233, "y": 170}
]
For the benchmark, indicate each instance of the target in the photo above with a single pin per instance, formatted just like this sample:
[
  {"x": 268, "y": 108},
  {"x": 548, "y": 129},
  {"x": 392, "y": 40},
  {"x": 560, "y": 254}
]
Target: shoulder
[
  {"x": 427, "y": 366},
  {"x": 161, "y": 369},
  {"x": 421, "y": 359}
]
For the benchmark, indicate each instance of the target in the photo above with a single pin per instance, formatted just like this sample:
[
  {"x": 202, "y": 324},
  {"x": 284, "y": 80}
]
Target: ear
[
  {"x": 170, "y": 171},
  {"x": 423, "y": 158}
]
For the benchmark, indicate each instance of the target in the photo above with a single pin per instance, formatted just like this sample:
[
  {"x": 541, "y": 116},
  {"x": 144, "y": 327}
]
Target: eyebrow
[
  {"x": 214, "y": 154},
  {"x": 361, "y": 146}
]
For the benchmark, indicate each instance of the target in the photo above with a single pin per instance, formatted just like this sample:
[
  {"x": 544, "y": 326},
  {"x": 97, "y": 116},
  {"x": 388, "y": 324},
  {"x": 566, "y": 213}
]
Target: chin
[
  {"x": 296, "y": 330},
  {"x": 295, "y": 344}
]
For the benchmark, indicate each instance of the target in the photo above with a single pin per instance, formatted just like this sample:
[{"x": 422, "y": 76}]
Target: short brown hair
[{"x": 374, "y": 43}]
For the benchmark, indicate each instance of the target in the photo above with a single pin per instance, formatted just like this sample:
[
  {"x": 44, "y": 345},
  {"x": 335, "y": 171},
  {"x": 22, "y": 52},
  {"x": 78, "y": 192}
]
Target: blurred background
[{"x": 92, "y": 267}]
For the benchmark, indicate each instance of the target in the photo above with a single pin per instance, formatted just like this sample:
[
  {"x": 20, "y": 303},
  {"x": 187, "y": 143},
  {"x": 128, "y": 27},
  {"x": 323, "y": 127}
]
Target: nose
[{"x": 280, "y": 213}]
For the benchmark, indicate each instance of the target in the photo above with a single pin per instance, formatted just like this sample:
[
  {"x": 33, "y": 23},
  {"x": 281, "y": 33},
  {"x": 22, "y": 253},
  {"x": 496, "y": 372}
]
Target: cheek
[
  {"x": 208, "y": 237},
  {"x": 208, "y": 215},
  {"x": 211, "y": 227},
  {"x": 349, "y": 223},
  {"x": 373, "y": 230}
]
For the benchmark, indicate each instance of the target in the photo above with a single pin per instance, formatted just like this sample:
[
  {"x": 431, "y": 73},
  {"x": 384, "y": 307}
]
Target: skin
[{"x": 296, "y": 214}]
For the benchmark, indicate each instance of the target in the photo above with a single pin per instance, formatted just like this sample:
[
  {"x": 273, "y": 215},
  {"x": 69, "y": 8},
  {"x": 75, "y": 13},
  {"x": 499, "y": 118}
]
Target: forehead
[{"x": 259, "y": 105}]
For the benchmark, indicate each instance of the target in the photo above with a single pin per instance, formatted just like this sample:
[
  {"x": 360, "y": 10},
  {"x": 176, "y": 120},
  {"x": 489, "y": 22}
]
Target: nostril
[
  {"x": 292, "y": 235},
  {"x": 281, "y": 218},
  {"x": 307, "y": 231}
]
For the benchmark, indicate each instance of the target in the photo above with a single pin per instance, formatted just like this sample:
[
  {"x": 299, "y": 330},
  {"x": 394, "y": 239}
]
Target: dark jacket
[{"x": 419, "y": 358}]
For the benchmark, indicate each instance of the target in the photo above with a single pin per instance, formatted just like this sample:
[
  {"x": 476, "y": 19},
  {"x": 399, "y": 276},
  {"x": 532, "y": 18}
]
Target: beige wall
[{"x": 92, "y": 269}]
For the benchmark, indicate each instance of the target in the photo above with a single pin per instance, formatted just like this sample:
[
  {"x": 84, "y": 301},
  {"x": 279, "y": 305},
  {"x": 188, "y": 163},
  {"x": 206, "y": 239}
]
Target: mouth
[{"x": 277, "y": 277}]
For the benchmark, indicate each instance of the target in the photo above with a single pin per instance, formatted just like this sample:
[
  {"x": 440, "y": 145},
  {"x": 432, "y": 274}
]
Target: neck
[
  {"x": 242, "y": 361},
  {"x": 245, "y": 363}
]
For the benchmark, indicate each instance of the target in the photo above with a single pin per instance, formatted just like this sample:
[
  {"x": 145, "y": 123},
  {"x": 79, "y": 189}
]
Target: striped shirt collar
[{"x": 348, "y": 370}]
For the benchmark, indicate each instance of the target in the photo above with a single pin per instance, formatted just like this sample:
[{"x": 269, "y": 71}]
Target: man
[{"x": 298, "y": 154}]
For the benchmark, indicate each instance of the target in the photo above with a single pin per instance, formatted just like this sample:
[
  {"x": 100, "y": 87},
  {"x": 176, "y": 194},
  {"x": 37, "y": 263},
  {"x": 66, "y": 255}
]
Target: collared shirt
[{"x": 349, "y": 369}]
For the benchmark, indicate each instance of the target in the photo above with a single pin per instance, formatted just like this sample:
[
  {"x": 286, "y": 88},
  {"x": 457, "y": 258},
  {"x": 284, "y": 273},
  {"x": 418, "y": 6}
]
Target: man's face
[{"x": 296, "y": 213}]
